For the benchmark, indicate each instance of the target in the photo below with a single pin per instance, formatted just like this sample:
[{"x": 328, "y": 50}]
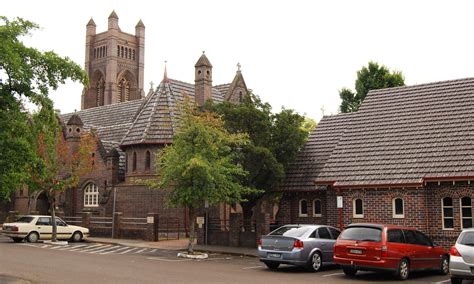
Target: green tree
[
  {"x": 275, "y": 140},
  {"x": 309, "y": 124},
  {"x": 26, "y": 74},
  {"x": 372, "y": 77},
  {"x": 200, "y": 166},
  {"x": 55, "y": 167}
]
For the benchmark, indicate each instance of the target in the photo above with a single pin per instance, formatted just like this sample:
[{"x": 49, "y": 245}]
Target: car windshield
[
  {"x": 467, "y": 239},
  {"x": 24, "y": 219},
  {"x": 290, "y": 231},
  {"x": 368, "y": 234}
]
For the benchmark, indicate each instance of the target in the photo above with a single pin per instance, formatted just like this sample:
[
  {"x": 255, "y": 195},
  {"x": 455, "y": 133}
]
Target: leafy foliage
[{"x": 372, "y": 77}]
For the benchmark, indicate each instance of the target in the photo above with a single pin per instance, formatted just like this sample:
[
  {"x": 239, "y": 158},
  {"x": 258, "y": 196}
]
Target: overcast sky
[{"x": 295, "y": 54}]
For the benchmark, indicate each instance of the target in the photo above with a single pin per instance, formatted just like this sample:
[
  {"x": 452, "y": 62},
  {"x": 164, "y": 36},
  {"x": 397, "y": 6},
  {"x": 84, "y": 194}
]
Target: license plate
[
  {"x": 274, "y": 255},
  {"x": 356, "y": 251}
]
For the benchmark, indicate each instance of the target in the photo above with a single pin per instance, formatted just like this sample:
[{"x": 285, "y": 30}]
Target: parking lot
[{"x": 103, "y": 263}]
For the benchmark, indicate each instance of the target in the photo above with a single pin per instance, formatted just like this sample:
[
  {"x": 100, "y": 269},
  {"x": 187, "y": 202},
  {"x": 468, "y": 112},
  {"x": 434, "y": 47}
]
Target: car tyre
[
  {"x": 315, "y": 262},
  {"x": 76, "y": 237},
  {"x": 456, "y": 280},
  {"x": 349, "y": 271},
  {"x": 444, "y": 266},
  {"x": 272, "y": 265},
  {"x": 403, "y": 270},
  {"x": 32, "y": 237},
  {"x": 17, "y": 240}
]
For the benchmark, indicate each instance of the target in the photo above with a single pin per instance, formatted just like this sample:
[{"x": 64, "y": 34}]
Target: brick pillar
[
  {"x": 86, "y": 219},
  {"x": 152, "y": 225},
  {"x": 235, "y": 227},
  {"x": 116, "y": 225},
  {"x": 263, "y": 225}
]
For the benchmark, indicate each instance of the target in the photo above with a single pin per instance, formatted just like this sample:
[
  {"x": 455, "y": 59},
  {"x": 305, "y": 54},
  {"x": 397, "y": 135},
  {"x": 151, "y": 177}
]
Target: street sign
[
  {"x": 200, "y": 221},
  {"x": 150, "y": 219},
  {"x": 339, "y": 202}
]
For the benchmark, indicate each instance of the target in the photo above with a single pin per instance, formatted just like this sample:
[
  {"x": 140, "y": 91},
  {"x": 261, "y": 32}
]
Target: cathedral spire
[{"x": 165, "y": 74}]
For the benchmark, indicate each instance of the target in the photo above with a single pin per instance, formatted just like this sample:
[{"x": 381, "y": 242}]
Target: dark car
[
  {"x": 309, "y": 246},
  {"x": 388, "y": 248}
]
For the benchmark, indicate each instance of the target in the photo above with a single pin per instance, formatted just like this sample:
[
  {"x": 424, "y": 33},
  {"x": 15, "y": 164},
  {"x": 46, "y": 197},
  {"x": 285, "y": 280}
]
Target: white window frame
[
  {"x": 354, "y": 215},
  {"x": 320, "y": 207},
  {"x": 301, "y": 214},
  {"x": 442, "y": 213},
  {"x": 460, "y": 210},
  {"x": 91, "y": 195},
  {"x": 394, "y": 213}
]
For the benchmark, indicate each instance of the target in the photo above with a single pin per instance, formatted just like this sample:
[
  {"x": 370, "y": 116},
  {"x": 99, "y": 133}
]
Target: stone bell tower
[{"x": 115, "y": 64}]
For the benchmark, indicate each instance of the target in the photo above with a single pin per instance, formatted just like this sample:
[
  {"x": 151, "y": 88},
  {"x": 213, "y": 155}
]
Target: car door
[
  {"x": 431, "y": 258},
  {"x": 63, "y": 231},
  {"x": 414, "y": 250},
  {"x": 334, "y": 234},
  {"x": 326, "y": 243},
  {"x": 44, "y": 227}
]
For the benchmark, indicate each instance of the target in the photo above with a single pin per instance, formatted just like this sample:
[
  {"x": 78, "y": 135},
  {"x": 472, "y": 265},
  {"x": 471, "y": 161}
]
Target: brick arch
[{"x": 126, "y": 77}]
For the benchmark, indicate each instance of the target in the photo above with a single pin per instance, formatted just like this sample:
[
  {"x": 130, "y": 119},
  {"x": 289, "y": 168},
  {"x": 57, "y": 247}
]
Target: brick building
[
  {"x": 130, "y": 127},
  {"x": 406, "y": 157}
]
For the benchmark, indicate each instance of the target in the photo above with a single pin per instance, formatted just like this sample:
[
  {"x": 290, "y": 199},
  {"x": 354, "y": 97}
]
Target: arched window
[
  {"x": 398, "y": 208},
  {"x": 303, "y": 208},
  {"x": 91, "y": 195},
  {"x": 118, "y": 50},
  {"x": 447, "y": 213},
  {"x": 95, "y": 53},
  {"x": 121, "y": 51},
  {"x": 240, "y": 96},
  {"x": 358, "y": 208},
  {"x": 134, "y": 162},
  {"x": 133, "y": 55},
  {"x": 129, "y": 53},
  {"x": 123, "y": 90},
  {"x": 317, "y": 209},
  {"x": 100, "y": 91},
  {"x": 126, "y": 53},
  {"x": 466, "y": 212},
  {"x": 147, "y": 160}
]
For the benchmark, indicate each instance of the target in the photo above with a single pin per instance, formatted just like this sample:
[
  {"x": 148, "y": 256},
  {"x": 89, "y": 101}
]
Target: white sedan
[{"x": 36, "y": 227}]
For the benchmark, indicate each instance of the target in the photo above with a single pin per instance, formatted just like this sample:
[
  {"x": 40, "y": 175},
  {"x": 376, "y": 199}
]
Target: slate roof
[
  {"x": 302, "y": 173},
  {"x": 406, "y": 135}
]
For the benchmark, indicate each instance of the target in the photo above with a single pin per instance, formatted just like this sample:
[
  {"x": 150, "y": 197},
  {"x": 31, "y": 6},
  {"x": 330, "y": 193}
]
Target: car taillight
[
  {"x": 259, "y": 242},
  {"x": 384, "y": 251},
  {"x": 298, "y": 244},
  {"x": 454, "y": 251}
]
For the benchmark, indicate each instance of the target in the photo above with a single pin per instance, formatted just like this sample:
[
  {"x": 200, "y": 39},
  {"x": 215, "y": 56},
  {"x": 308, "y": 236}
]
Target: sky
[{"x": 295, "y": 54}]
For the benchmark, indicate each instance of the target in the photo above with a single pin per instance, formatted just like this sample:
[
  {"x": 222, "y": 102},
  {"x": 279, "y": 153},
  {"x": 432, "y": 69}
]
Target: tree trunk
[
  {"x": 192, "y": 221},
  {"x": 53, "y": 220},
  {"x": 247, "y": 210}
]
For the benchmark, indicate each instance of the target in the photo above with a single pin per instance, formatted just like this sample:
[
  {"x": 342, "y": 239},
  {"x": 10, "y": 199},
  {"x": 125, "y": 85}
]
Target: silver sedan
[
  {"x": 309, "y": 246},
  {"x": 461, "y": 261}
]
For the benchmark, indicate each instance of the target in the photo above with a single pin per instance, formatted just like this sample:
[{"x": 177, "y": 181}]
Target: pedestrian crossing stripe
[{"x": 102, "y": 249}]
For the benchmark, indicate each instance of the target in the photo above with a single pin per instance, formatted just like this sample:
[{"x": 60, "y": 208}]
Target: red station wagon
[{"x": 388, "y": 248}]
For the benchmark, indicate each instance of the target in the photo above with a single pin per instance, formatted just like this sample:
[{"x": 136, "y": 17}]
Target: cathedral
[{"x": 130, "y": 126}]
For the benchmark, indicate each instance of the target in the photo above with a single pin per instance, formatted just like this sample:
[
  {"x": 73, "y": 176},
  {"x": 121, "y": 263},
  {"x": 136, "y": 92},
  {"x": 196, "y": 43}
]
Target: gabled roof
[
  {"x": 406, "y": 135},
  {"x": 302, "y": 173},
  {"x": 238, "y": 81}
]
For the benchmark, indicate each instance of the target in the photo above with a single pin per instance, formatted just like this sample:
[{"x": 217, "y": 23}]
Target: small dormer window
[
  {"x": 199, "y": 72},
  {"x": 78, "y": 130},
  {"x": 70, "y": 130},
  {"x": 208, "y": 72}
]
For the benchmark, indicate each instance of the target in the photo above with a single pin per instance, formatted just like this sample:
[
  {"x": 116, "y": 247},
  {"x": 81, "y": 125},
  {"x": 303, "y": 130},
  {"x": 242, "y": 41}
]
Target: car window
[
  {"x": 280, "y": 231},
  {"x": 467, "y": 238},
  {"x": 44, "y": 221},
  {"x": 410, "y": 237},
  {"x": 395, "y": 236},
  {"x": 323, "y": 233},
  {"x": 24, "y": 219},
  {"x": 60, "y": 222},
  {"x": 335, "y": 233},
  {"x": 370, "y": 234},
  {"x": 422, "y": 239}
]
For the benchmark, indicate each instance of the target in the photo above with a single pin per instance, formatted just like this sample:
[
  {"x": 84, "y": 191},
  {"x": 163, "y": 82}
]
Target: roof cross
[
  {"x": 151, "y": 85},
  {"x": 238, "y": 66}
]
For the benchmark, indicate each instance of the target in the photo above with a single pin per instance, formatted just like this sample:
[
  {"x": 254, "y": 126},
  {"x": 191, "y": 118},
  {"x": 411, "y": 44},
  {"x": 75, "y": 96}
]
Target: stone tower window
[
  {"x": 134, "y": 162},
  {"x": 118, "y": 51},
  {"x": 126, "y": 52},
  {"x": 121, "y": 51},
  {"x": 95, "y": 53},
  {"x": 147, "y": 160},
  {"x": 100, "y": 91},
  {"x": 133, "y": 55},
  {"x": 129, "y": 53},
  {"x": 123, "y": 90}
]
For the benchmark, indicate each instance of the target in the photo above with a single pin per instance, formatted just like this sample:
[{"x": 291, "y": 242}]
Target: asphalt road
[{"x": 95, "y": 263}]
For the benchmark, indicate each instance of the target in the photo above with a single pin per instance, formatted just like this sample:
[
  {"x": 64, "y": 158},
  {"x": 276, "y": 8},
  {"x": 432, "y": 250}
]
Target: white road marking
[
  {"x": 168, "y": 260},
  {"x": 71, "y": 248},
  {"x": 124, "y": 252},
  {"x": 96, "y": 248},
  {"x": 253, "y": 267},
  {"x": 88, "y": 247},
  {"x": 217, "y": 258},
  {"x": 142, "y": 250},
  {"x": 153, "y": 250},
  {"x": 445, "y": 281},
  {"x": 104, "y": 249},
  {"x": 333, "y": 274},
  {"x": 45, "y": 246},
  {"x": 114, "y": 251}
]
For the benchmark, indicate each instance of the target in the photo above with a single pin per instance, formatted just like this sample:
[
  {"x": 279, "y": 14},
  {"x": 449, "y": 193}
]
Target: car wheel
[
  {"x": 315, "y": 262},
  {"x": 76, "y": 237},
  {"x": 272, "y": 265},
  {"x": 403, "y": 269},
  {"x": 349, "y": 271},
  {"x": 455, "y": 280},
  {"x": 17, "y": 240},
  {"x": 444, "y": 269},
  {"x": 32, "y": 237}
]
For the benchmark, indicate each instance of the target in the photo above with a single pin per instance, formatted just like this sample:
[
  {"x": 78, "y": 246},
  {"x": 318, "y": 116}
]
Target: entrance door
[{"x": 42, "y": 204}]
